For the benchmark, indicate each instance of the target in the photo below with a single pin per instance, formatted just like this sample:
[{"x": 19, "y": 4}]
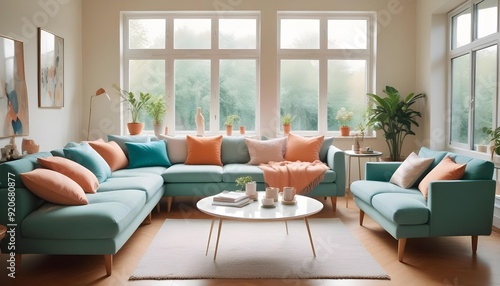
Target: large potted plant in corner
[
  {"x": 394, "y": 116},
  {"x": 135, "y": 105},
  {"x": 157, "y": 109}
]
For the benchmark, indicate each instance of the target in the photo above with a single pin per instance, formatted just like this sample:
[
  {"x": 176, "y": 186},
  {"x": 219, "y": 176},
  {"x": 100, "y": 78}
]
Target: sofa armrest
[
  {"x": 380, "y": 171},
  {"x": 461, "y": 207},
  {"x": 336, "y": 161}
]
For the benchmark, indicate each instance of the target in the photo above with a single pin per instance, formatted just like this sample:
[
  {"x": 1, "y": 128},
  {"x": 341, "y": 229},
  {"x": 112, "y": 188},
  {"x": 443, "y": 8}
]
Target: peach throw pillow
[
  {"x": 78, "y": 173},
  {"x": 203, "y": 150},
  {"x": 111, "y": 152},
  {"x": 305, "y": 149},
  {"x": 54, "y": 187},
  {"x": 447, "y": 169}
]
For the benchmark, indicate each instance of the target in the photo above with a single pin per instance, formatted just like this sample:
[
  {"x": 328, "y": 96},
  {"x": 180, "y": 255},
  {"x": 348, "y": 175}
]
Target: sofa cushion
[
  {"x": 139, "y": 172},
  {"x": 121, "y": 139},
  {"x": 106, "y": 215},
  {"x": 54, "y": 187},
  {"x": 233, "y": 171},
  {"x": 176, "y": 148},
  {"x": 78, "y": 173},
  {"x": 304, "y": 149},
  {"x": 86, "y": 156},
  {"x": 111, "y": 152},
  {"x": 402, "y": 209},
  {"x": 204, "y": 150},
  {"x": 147, "y": 154},
  {"x": 234, "y": 150},
  {"x": 181, "y": 173},
  {"x": 366, "y": 190},
  {"x": 262, "y": 152},
  {"x": 410, "y": 170},
  {"x": 445, "y": 170},
  {"x": 147, "y": 184}
]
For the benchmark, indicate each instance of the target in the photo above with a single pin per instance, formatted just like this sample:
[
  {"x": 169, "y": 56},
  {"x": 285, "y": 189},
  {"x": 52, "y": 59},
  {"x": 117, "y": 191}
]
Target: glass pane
[
  {"x": 299, "y": 93},
  {"x": 147, "y": 76},
  {"x": 192, "y": 33},
  {"x": 460, "y": 98},
  {"x": 485, "y": 91},
  {"x": 237, "y": 33},
  {"x": 487, "y": 18},
  {"x": 238, "y": 89},
  {"x": 461, "y": 29},
  {"x": 346, "y": 88},
  {"x": 146, "y": 33},
  {"x": 347, "y": 34},
  {"x": 192, "y": 90},
  {"x": 299, "y": 34}
]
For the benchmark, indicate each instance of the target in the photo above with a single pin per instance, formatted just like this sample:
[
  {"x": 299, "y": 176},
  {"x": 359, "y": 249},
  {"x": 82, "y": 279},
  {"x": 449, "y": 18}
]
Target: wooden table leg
[
  {"x": 286, "y": 225},
  {"x": 348, "y": 188},
  {"x": 210, "y": 235},
  {"x": 218, "y": 236},
  {"x": 310, "y": 237}
]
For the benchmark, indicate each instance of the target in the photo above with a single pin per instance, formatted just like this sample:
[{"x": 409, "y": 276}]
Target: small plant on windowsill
[
  {"x": 286, "y": 120},
  {"x": 241, "y": 181},
  {"x": 343, "y": 117}
]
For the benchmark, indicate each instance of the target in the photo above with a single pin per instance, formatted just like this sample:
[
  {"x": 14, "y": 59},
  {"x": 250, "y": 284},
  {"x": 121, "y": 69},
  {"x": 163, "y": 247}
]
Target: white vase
[
  {"x": 251, "y": 189},
  {"x": 157, "y": 128},
  {"x": 200, "y": 123}
]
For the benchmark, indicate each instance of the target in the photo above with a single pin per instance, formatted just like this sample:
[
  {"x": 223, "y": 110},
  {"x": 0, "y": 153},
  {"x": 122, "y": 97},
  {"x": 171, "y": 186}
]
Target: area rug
[{"x": 252, "y": 250}]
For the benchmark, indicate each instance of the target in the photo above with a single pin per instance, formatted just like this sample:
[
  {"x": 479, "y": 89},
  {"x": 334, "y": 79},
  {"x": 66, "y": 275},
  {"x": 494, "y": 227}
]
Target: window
[
  {"x": 195, "y": 60},
  {"x": 326, "y": 63},
  {"x": 473, "y": 72}
]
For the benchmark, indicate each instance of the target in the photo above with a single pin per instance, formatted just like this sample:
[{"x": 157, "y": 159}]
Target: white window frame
[
  {"x": 169, "y": 54},
  {"x": 470, "y": 49},
  {"x": 323, "y": 55}
]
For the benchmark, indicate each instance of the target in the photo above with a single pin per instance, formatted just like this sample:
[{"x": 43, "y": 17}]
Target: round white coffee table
[{"x": 303, "y": 208}]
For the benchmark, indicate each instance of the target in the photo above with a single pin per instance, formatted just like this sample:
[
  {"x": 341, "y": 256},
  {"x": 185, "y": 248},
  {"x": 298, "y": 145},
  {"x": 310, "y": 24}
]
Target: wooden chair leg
[
  {"x": 158, "y": 207},
  {"x": 401, "y": 248},
  {"x": 147, "y": 220},
  {"x": 361, "y": 217},
  {"x": 474, "y": 244},
  {"x": 169, "y": 203},
  {"x": 108, "y": 262},
  {"x": 333, "y": 199}
]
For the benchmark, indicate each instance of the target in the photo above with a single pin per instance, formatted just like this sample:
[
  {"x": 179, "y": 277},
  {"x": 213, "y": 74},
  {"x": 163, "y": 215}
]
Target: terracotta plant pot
[
  {"x": 345, "y": 131},
  {"x": 287, "y": 128},
  {"x": 135, "y": 128},
  {"x": 29, "y": 146},
  {"x": 229, "y": 130},
  {"x": 242, "y": 130}
]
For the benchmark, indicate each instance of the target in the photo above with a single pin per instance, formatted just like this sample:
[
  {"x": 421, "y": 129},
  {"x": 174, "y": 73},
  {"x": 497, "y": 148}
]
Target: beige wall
[
  {"x": 19, "y": 19},
  {"x": 396, "y": 50}
]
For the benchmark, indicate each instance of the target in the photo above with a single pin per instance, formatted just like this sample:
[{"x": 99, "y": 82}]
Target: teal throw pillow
[
  {"x": 122, "y": 139},
  {"x": 86, "y": 156},
  {"x": 149, "y": 154}
]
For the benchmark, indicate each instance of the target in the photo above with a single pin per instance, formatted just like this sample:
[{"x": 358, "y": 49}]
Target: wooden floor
[{"x": 430, "y": 261}]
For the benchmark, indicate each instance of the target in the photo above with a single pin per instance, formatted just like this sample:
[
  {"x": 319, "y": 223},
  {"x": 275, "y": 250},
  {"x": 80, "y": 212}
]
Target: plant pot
[
  {"x": 135, "y": 128},
  {"x": 482, "y": 148},
  {"x": 157, "y": 128},
  {"x": 345, "y": 131},
  {"x": 242, "y": 130},
  {"x": 229, "y": 130},
  {"x": 287, "y": 128},
  {"x": 29, "y": 146}
]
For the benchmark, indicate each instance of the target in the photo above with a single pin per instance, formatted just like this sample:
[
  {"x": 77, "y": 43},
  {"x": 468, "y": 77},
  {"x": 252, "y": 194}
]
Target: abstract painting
[
  {"x": 14, "y": 115},
  {"x": 50, "y": 70}
]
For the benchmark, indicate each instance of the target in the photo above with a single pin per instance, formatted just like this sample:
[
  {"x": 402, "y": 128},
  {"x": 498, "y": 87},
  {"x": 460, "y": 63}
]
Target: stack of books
[{"x": 231, "y": 199}]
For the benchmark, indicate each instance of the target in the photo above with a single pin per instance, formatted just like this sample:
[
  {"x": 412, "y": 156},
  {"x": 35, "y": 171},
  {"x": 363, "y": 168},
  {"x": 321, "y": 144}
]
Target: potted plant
[
  {"x": 394, "y": 116},
  {"x": 230, "y": 120},
  {"x": 494, "y": 136},
  {"x": 157, "y": 109},
  {"x": 135, "y": 105},
  {"x": 344, "y": 116},
  {"x": 286, "y": 120},
  {"x": 242, "y": 181}
]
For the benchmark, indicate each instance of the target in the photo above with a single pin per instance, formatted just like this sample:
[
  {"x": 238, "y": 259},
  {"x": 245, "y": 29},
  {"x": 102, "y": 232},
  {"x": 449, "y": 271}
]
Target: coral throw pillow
[
  {"x": 263, "y": 152},
  {"x": 54, "y": 187},
  {"x": 305, "y": 149},
  {"x": 445, "y": 170},
  {"x": 203, "y": 150},
  {"x": 78, "y": 173},
  {"x": 111, "y": 152}
]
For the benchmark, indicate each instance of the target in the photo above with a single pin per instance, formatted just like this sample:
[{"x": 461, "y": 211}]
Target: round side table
[{"x": 353, "y": 154}]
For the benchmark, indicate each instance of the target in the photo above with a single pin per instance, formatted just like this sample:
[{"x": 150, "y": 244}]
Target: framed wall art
[
  {"x": 14, "y": 114},
  {"x": 50, "y": 70}
]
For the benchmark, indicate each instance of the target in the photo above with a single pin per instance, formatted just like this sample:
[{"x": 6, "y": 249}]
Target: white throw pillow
[
  {"x": 410, "y": 170},
  {"x": 262, "y": 152},
  {"x": 176, "y": 148}
]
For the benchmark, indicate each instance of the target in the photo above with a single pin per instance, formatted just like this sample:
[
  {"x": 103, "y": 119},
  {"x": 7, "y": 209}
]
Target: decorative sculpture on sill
[
  {"x": 10, "y": 151},
  {"x": 200, "y": 123}
]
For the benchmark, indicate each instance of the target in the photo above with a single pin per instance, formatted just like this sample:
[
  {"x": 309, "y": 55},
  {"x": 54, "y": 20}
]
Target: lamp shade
[{"x": 100, "y": 91}]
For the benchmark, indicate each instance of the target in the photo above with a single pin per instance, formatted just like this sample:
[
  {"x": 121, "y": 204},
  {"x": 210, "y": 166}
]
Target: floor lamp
[{"x": 99, "y": 92}]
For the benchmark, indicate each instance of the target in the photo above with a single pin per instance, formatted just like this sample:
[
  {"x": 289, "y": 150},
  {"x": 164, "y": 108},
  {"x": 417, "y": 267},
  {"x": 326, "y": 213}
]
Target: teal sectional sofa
[
  {"x": 453, "y": 208},
  {"x": 126, "y": 197}
]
